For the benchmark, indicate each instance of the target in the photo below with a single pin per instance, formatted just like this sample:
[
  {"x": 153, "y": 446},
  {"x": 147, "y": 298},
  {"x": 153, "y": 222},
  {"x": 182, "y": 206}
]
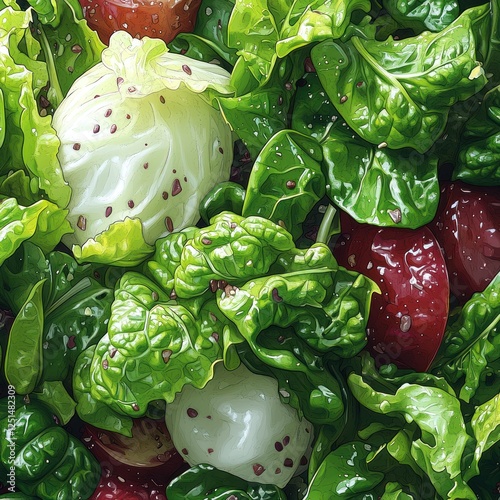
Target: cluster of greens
[{"x": 354, "y": 104}]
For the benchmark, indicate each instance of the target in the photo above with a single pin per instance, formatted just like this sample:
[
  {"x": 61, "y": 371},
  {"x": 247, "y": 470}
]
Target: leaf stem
[{"x": 324, "y": 228}]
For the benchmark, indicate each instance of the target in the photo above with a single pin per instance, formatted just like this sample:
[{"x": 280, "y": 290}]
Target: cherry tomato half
[
  {"x": 408, "y": 319},
  {"x": 164, "y": 19}
]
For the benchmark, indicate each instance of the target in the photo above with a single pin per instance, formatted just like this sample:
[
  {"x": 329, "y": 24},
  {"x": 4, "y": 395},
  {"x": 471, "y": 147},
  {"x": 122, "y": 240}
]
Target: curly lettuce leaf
[
  {"x": 471, "y": 343},
  {"x": 232, "y": 249},
  {"x": 397, "y": 93},
  {"x": 441, "y": 446},
  {"x": 43, "y": 223},
  {"x": 29, "y": 143},
  {"x": 154, "y": 346},
  {"x": 122, "y": 244},
  {"x": 326, "y": 305},
  {"x": 89, "y": 409}
]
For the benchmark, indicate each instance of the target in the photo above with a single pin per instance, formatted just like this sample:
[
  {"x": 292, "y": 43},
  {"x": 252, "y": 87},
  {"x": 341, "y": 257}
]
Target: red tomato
[
  {"x": 137, "y": 467},
  {"x": 467, "y": 226},
  {"x": 407, "y": 321},
  {"x": 141, "y": 18}
]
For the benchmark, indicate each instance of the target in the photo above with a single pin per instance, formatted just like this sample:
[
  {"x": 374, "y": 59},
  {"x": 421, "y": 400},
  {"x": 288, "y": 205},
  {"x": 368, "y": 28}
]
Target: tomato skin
[
  {"x": 137, "y": 467},
  {"x": 156, "y": 19},
  {"x": 467, "y": 226},
  {"x": 407, "y": 320}
]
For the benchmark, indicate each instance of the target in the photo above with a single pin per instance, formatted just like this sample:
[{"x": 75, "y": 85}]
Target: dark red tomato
[
  {"x": 137, "y": 467},
  {"x": 141, "y": 18},
  {"x": 407, "y": 320},
  {"x": 467, "y": 226}
]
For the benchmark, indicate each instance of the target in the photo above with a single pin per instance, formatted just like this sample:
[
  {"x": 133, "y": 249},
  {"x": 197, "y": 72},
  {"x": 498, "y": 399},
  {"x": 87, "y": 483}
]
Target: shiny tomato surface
[
  {"x": 407, "y": 320},
  {"x": 467, "y": 226},
  {"x": 141, "y": 18}
]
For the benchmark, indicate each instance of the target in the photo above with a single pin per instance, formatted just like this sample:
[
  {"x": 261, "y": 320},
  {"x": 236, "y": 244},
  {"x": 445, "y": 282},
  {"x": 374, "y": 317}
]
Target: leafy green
[
  {"x": 374, "y": 185},
  {"x": 344, "y": 473},
  {"x": 286, "y": 181},
  {"x": 397, "y": 93},
  {"x": 479, "y": 156},
  {"x": 24, "y": 359},
  {"x": 423, "y": 15},
  {"x": 29, "y": 142},
  {"x": 471, "y": 342},
  {"x": 76, "y": 303},
  {"x": 441, "y": 447},
  {"x": 219, "y": 484},
  {"x": 153, "y": 347}
]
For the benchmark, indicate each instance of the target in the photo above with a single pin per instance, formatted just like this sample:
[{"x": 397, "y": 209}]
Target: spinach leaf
[
  {"x": 344, "y": 473},
  {"x": 397, "y": 93},
  {"x": 479, "y": 156},
  {"x": 471, "y": 342},
  {"x": 205, "y": 482},
  {"x": 423, "y": 15},
  {"x": 286, "y": 181},
  {"x": 23, "y": 359}
]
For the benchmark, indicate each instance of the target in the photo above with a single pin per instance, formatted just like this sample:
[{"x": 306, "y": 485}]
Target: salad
[{"x": 250, "y": 250}]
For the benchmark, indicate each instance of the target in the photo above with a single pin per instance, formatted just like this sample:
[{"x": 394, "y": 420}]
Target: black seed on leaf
[
  {"x": 286, "y": 440},
  {"x": 108, "y": 212},
  {"x": 186, "y": 69},
  {"x": 343, "y": 99},
  {"x": 71, "y": 344},
  {"x": 108, "y": 113},
  {"x": 76, "y": 49},
  {"x": 113, "y": 128},
  {"x": 96, "y": 128},
  {"x": 162, "y": 99},
  {"x": 290, "y": 184},
  {"x": 76, "y": 146},
  {"x": 278, "y": 446},
  {"x": 206, "y": 241},
  {"x": 213, "y": 285},
  {"x": 288, "y": 462},
  {"x": 105, "y": 364},
  {"x": 131, "y": 203},
  {"x": 135, "y": 407},
  {"x": 169, "y": 224}
]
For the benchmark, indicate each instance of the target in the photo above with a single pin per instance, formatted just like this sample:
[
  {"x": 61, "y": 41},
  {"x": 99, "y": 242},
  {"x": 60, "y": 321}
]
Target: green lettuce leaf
[
  {"x": 43, "y": 223},
  {"x": 154, "y": 346},
  {"x": 479, "y": 155},
  {"x": 286, "y": 181},
  {"x": 29, "y": 142},
  {"x": 441, "y": 446},
  {"x": 218, "y": 484},
  {"x": 344, "y": 473},
  {"x": 423, "y": 15},
  {"x": 471, "y": 343},
  {"x": 397, "y": 93},
  {"x": 122, "y": 244}
]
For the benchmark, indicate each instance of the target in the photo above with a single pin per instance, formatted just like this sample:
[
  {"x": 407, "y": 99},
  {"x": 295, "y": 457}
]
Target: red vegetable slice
[
  {"x": 157, "y": 19},
  {"x": 407, "y": 321},
  {"x": 467, "y": 226},
  {"x": 137, "y": 467}
]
